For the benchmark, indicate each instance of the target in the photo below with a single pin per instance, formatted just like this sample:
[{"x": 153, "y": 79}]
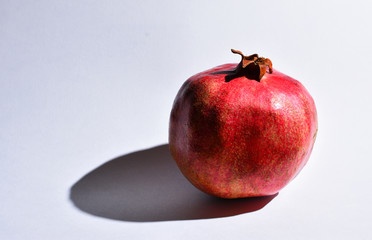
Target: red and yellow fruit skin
[{"x": 241, "y": 138}]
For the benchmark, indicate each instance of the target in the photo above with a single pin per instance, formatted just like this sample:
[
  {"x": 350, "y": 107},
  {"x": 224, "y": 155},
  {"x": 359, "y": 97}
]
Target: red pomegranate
[{"x": 242, "y": 130}]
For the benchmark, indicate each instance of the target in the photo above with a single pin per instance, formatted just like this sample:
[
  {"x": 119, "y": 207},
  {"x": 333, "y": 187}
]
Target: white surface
[{"x": 83, "y": 82}]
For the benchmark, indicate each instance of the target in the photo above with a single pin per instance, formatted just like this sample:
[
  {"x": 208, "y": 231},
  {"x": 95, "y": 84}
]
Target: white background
[{"x": 84, "y": 82}]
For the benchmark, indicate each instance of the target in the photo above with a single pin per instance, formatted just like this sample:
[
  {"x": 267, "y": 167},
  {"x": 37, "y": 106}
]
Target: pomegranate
[{"x": 242, "y": 130}]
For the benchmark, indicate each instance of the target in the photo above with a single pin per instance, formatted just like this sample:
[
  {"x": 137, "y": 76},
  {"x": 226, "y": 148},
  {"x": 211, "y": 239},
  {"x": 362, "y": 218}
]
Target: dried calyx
[{"x": 252, "y": 67}]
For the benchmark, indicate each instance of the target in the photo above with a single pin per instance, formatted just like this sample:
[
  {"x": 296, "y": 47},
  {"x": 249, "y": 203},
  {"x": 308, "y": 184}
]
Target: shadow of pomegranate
[{"x": 147, "y": 186}]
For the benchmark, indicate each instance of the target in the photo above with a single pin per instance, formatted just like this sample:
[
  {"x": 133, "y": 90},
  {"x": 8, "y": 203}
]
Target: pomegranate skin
[{"x": 242, "y": 138}]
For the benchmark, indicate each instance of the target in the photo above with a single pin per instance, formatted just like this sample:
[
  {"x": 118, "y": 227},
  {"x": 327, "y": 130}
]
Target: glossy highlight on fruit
[{"x": 242, "y": 130}]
